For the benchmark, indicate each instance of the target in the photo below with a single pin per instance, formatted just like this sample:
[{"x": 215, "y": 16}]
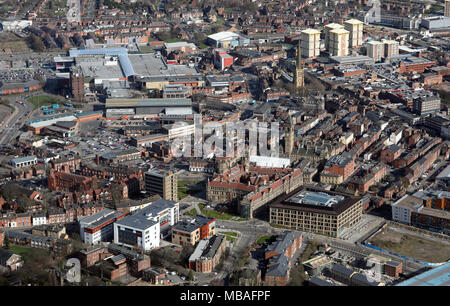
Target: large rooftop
[
  {"x": 316, "y": 200},
  {"x": 439, "y": 276},
  {"x": 146, "y": 217}
]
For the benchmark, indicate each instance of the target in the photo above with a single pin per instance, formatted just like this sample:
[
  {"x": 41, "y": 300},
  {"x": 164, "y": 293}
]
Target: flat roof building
[
  {"x": 163, "y": 183},
  {"x": 317, "y": 210},
  {"x": 23, "y": 161},
  {"x": 99, "y": 227},
  {"x": 439, "y": 276}
]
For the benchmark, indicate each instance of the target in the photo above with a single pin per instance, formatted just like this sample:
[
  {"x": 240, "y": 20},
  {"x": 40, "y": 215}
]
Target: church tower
[{"x": 299, "y": 72}]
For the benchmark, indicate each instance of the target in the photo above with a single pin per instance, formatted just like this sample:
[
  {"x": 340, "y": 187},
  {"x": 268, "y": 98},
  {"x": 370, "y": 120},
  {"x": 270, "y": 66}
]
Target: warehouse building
[
  {"x": 142, "y": 108},
  {"x": 439, "y": 276},
  {"x": 23, "y": 161}
]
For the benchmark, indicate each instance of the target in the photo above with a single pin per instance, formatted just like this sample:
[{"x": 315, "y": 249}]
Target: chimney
[{"x": 97, "y": 158}]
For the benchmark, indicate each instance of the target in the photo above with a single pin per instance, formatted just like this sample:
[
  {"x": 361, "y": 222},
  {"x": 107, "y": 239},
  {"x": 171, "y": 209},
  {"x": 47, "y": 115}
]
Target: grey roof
[
  {"x": 4, "y": 255},
  {"x": 283, "y": 241},
  {"x": 346, "y": 272},
  {"x": 130, "y": 254},
  {"x": 364, "y": 280},
  {"x": 100, "y": 218},
  {"x": 213, "y": 245},
  {"x": 118, "y": 258},
  {"x": 24, "y": 159},
  {"x": 278, "y": 266},
  {"x": 192, "y": 224},
  {"x": 319, "y": 282},
  {"x": 146, "y": 217}
]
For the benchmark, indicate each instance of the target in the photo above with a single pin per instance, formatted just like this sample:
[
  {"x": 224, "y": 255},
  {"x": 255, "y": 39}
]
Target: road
[{"x": 9, "y": 130}]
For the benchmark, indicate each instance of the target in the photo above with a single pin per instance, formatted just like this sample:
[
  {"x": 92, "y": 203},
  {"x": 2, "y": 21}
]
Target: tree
[
  {"x": 191, "y": 275},
  {"x": 36, "y": 43}
]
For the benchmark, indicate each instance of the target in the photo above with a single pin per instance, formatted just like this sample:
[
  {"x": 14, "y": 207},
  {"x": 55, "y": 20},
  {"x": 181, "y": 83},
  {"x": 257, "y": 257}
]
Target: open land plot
[{"x": 412, "y": 245}]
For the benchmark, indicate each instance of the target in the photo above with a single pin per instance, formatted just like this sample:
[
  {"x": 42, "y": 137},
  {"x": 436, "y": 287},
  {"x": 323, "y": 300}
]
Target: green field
[
  {"x": 20, "y": 250},
  {"x": 39, "y": 101}
]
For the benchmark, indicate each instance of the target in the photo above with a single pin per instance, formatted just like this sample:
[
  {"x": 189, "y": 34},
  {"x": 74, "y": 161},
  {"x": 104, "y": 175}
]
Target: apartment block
[
  {"x": 310, "y": 43},
  {"x": 338, "y": 42},
  {"x": 355, "y": 27},
  {"x": 163, "y": 183},
  {"x": 375, "y": 50},
  {"x": 327, "y": 29}
]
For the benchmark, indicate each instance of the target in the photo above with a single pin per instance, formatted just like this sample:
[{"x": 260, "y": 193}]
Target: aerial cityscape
[{"x": 224, "y": 143}]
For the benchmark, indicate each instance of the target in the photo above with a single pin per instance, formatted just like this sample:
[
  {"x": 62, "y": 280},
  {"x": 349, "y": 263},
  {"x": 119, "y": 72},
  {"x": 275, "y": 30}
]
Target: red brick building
[{"x": 58, "y": 180}]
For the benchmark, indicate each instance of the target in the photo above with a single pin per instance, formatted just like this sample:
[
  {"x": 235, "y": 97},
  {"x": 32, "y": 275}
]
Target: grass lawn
[
  {"x": 172, "y": 40},
  {"x": 146, "y": 49},
  {"x": 191, "y": 212},
  {"x": 214, "y": 214},
  {"x": 27, "y": 253},
  {"x": 184, "y": 190},
  {"x": 19, "y": 250},
  {"x": 263, "y": 239},
  {"x": 39, "y": 101},
  {"x": 232, "y": 239},
  {"x": 229, "y": 234}
]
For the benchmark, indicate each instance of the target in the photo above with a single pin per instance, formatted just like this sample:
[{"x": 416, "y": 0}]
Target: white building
[
  {"x": 143, "y": 227},
  {"x": 99, "y": 227},
  {"x": 401, "y": 210},
  {"x": 39, "y": 219},
  {"x": 16, "y": 25},
  {"x": 23, "y": 161},
  {"x": 310, "y": 43}
]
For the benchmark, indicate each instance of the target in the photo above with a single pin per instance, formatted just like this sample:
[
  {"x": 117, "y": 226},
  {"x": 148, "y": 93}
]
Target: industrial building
[
  {"x": 141, "y": 108},
  {"x": 439, "y": 276},
  {"x": 227, "y": 40},
  {"x": 436, "y": 22},
  {"x": 23, "y": 161}
]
